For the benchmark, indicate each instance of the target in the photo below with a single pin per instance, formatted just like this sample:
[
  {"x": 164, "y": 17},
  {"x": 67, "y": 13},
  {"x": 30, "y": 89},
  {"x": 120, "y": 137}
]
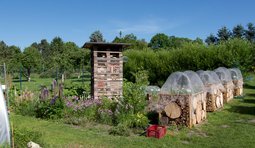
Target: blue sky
[{"x": 23, "y": 22}]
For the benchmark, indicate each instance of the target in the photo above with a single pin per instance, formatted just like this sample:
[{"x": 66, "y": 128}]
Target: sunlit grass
[{"x": 233, "y": 126}]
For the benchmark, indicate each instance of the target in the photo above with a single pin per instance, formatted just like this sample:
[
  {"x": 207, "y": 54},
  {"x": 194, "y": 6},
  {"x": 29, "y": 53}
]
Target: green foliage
[
  {"x": 191, "y": 56},
  {"x": 138, "y": 120},
  {"x": 77, "y": 89},
  {"x": 23, "y": 135},
  {"x": 96, "y": 36},
  {"x": 133, "y": 100},
  {"x": 10, "y": 55},
  {"x": 31, "y": 58},
  {"x": 250, "y": 32},
  {"x": 224, "y": 34},
  {"x": 50, "y": 109},
  {"x": 80, "y": 116},
  {"x": 238, "y": 31},
  {"x": 211, "y": 39},
  {"x": 138, "y": 44},
  {"x": 25, "y": 108},
  {"x": 159, "y": 40},
  {"x": 120, "y": 130},
  {"x": 107, "y": 111}
]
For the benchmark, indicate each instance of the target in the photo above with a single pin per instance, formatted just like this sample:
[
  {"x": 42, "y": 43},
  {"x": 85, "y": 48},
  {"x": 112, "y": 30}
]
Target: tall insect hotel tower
[{"x": 107, "y": 69}]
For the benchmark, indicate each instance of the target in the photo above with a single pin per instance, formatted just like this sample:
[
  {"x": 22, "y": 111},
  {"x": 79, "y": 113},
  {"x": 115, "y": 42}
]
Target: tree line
[
  {"x": 46, "y": 57},
  {"x": 238, "y": 31}
]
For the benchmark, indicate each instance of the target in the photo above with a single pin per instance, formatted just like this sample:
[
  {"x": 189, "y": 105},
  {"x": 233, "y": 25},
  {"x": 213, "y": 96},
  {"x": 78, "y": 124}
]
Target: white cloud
[{"x": 146, "y": 26}]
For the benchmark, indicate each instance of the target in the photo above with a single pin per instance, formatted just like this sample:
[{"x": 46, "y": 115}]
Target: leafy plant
[
  {"x": 50, "y": 109},
  {"x": 120, "y": 130},
  {"x": 23, "y": 135}
]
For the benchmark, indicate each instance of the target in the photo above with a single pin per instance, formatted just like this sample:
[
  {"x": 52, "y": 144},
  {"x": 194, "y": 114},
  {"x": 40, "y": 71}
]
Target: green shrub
[
  {"x": 120, "y": 130},
  {"x": 25, "y": 108},
  {"x": 138, "y": 120},
  {"x": 77, "y": 89},
  {"x": 190, "y": 56},
  {"x": 50, "y": 109},
  {"x": 23, "y": 135}
]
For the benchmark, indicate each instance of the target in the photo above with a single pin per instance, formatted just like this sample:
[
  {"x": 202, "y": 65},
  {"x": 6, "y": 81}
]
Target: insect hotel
[
  {"x": 225, "y": 77},
  {"x": 182, "y": 100},
  {"x": 214, "y": 90},
  {"x": 237, "y": 80},
  {"x": 107, "y": 69}
]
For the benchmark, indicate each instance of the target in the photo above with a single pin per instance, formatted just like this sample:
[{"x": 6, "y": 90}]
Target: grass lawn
[
  {"x": 36, "y": 82},
  {"x": 233, "y": 126}
]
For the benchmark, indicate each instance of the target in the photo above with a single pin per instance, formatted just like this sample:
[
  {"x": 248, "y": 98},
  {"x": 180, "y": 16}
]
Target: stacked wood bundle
[
  {"x": 182, "y": 109},
  {"x": 237, "y": 79},
  {"x": 214, "y": 90},
  {"x": 226, "y": 80},
  {"x": 182, "y": 100}
]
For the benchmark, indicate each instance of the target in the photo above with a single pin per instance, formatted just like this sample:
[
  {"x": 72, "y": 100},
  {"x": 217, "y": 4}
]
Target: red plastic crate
[{"x": 156, "y": 131}]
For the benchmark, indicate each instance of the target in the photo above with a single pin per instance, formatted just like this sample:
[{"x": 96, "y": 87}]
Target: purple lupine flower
[{"x": 53, "y": 100}]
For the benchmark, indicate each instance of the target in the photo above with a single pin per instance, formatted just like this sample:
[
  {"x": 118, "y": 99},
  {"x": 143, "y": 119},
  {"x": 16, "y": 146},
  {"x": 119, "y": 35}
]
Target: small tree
[
  {"x": 211, "y": 39},
  {"x": 238, "y": 31},
  {"x": 96, "y": 36},
  {"x": 250, "y": 32},
  {"x": 159, "y": 40},
  {"x": 224, "y": 34},
  {"x": 30, "y": 58}
]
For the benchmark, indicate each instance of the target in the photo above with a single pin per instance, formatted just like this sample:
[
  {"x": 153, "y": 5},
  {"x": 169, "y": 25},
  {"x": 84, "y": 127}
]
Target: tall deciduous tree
[
  {"x": 30, "y": 58},
  {"x": 159, "y": 40},
  {"x": 177, "y": 42},
  {"x": 224, "y": 34},
  {"x": 238, "y": 31},
  {"x": 13, "y": 59},
  {"x": 250, "y": 32},
  {"x": 10, "y": 55},
  {"x": 96, "y": 36},
  {"x": 44, "y": 48},
  {"x": 132, "y": 39}
]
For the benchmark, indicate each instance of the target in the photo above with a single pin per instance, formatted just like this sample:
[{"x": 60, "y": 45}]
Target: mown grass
[
  {"x": 233, "y": 126},
  {"x": 36, "y": 82}
]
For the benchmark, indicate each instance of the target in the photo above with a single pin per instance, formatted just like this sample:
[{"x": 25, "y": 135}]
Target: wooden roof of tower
[{"x": 106, "y": 46}]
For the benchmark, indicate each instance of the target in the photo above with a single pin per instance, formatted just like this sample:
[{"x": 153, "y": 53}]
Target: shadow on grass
[
  {"x": 248, "y": 86},
  {"x": 249, "y": 100},
  {"x": 80, "y": 80},
  {"x": 251, "y": 95},
  {"x": 250, "y": 110},
  {"x": 23, "y": 81}
]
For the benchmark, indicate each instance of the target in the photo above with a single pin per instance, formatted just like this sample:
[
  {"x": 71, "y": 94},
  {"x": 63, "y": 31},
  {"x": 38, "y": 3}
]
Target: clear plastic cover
[
  {"x": 217, "y": 80},
  {"x": 152, "y": 90},
  {"x": 223, "y": 74},
  {"x": 206, "y": 77},
  {"x": 196, "y": 82},
  {"x": 4, "y": 125},
  {"x": 187, "y": 82},
  {"x": 236, "y": 74},
  {"x": 210, "y": 80}
]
